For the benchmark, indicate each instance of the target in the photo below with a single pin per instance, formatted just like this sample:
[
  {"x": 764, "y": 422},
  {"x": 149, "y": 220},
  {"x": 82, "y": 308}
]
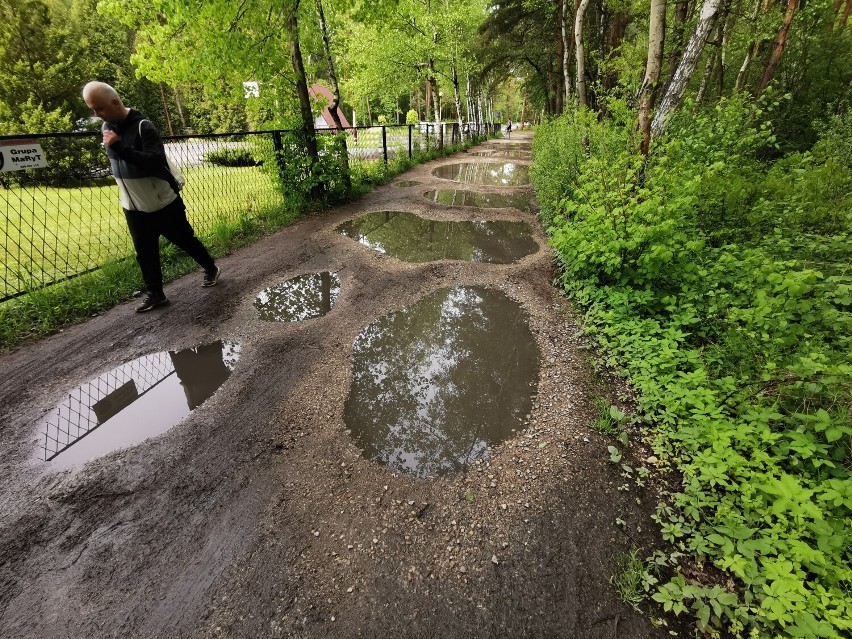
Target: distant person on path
[
  {"x": 509, "y": 128},
  {"x": 149, "y": 193}
]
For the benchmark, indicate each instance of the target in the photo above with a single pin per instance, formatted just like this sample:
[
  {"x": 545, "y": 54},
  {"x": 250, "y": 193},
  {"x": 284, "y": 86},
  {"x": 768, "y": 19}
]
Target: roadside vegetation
[{"x": 719, "y": 282}]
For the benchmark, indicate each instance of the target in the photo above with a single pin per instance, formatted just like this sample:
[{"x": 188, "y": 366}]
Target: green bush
[
  {"x": 720, "y": 284},
  {"x": 231, "y": 157},
  {"x": 71, "y": 159}
]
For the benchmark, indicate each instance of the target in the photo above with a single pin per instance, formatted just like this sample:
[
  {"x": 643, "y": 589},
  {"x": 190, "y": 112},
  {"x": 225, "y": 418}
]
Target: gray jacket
[{"x": 139, "y": 165}]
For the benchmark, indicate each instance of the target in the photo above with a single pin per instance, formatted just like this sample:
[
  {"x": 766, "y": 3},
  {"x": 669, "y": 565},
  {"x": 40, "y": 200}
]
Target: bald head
[
  {"x": 104, "y": 102},
  {"x": 100, "y": 89}
]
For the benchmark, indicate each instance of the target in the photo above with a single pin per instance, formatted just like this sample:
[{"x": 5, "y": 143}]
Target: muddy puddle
[
  {"x": 411, "y": 238},
  {"x": 300, "y": 298},
  {"x": 520, "y": 200},
  {"x": 485, "y": 173},
  {"x": 137, "y": 400},
  {"x": 405, "y": 183},
  {"x": 438, "y": 382}
]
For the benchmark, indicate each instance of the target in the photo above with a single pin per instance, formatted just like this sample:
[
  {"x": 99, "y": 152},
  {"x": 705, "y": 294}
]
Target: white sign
[{"x": 17, "y": 155}]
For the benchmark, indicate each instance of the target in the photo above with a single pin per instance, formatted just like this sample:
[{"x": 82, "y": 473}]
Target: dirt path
[{"x": 257, "y": 516}]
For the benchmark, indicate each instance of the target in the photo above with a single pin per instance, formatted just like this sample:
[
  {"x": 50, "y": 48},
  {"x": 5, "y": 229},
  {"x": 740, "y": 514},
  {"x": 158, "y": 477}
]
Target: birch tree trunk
[
  {"x": 723, "y": 50},
  {"x": 710, "y": 66},
  {"x": 674, "y": 94},
  {"x": 578, "y": 49},
  {"x": 752, "y": 48},
  {"x": 780, "y": 43},
  {"x": 656, "y": 40},
  {"x": 568, "y": 40}
]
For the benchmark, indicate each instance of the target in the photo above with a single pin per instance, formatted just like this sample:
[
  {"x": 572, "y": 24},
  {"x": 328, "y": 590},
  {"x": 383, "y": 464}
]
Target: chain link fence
[{"x": 64, "y": 220}]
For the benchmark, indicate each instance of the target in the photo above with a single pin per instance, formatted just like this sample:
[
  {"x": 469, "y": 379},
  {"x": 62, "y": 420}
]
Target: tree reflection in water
[
  {"x": 411, "y": 238},
  {"x": 299, "y": 298},
  {"x": 521, "y": 200},
  {"x": 437, "y": 382},
  {"x": 486, "y": 173}
]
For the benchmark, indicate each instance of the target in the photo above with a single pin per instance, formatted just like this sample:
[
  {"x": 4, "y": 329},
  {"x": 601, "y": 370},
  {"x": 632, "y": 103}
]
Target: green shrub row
[
  {"x": 231, "y": 156},
  {"x": 721, "y": 285}
]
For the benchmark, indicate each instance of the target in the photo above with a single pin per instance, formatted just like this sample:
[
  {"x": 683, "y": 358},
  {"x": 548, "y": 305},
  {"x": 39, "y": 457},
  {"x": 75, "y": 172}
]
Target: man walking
[{"x": 149, "y": 192}]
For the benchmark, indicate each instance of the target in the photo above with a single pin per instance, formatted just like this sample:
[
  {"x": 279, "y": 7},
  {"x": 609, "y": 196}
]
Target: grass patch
[
  {"x": 55, "y": 233},
  {"x": 610, "y": 417},
  {"x": 630, "y": 578}
]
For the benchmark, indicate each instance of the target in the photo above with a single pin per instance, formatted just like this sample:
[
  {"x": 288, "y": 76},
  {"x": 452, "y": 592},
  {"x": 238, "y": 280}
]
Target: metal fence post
[
  {"x": 385, "y": 143},
  {"x": 279, "y": 151},
  {"x": 410, "y": 127}
]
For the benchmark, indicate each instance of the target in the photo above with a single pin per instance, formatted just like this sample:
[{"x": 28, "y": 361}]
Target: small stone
[
  {"x": 316, "y": 533},
  {"x": 494, "y": 560},
  {"x": 375, "y": 540},
  {"x": 463, "y": 570},
  {"x": 652, "y": 460}
]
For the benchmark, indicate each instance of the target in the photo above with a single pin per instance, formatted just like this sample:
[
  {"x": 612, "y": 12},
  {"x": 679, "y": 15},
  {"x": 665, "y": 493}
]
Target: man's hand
[{"x": 110, "y": 137}]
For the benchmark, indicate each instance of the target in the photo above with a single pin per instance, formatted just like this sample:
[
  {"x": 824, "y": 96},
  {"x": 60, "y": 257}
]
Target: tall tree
[
  {"x": 335, "y": 92},
  {"x": 677, "y": 87},
  {"x": 656, "y": 39},
  {"x": 780, "y": 43},
  {"x": 183, "y": 41},
  {"x": 580, "y": 53}
]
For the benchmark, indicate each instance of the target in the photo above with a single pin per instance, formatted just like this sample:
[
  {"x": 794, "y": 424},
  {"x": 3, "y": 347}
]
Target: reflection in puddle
[
  {"x": 403, "y": 183},
  {"x": 510, "y": 145},
  {"x": 437, "y": 382},
  {"x": 299, "y": 298},
  {"x": 520, "y": 200},
  {"x": 488, "y": 173},
  {"x": 481, "y": 153},
  {"x": 137, "y": 400},
  {"x": 414, "y": 239},
  {"x": 509, "y": 153}
]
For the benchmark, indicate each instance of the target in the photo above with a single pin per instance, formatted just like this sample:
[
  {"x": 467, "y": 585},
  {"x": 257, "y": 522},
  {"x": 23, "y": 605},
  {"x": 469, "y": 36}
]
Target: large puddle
[
  {"x": 411, "y": 238},
  {"x": 486, "y": 173},
  {"x": 299, "y": 298},
  {"x": 520, "y": 200},
  {"x": 137, "y": 400},
  {"x": 436, "y": 383}
]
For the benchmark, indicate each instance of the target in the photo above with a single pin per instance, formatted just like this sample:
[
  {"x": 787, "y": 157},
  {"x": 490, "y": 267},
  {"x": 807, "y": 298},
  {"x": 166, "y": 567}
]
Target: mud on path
[{"x": 257, "y": 516}]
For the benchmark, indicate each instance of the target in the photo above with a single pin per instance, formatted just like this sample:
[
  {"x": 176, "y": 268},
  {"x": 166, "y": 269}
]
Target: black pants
[{"x": 170, "y": 222}]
